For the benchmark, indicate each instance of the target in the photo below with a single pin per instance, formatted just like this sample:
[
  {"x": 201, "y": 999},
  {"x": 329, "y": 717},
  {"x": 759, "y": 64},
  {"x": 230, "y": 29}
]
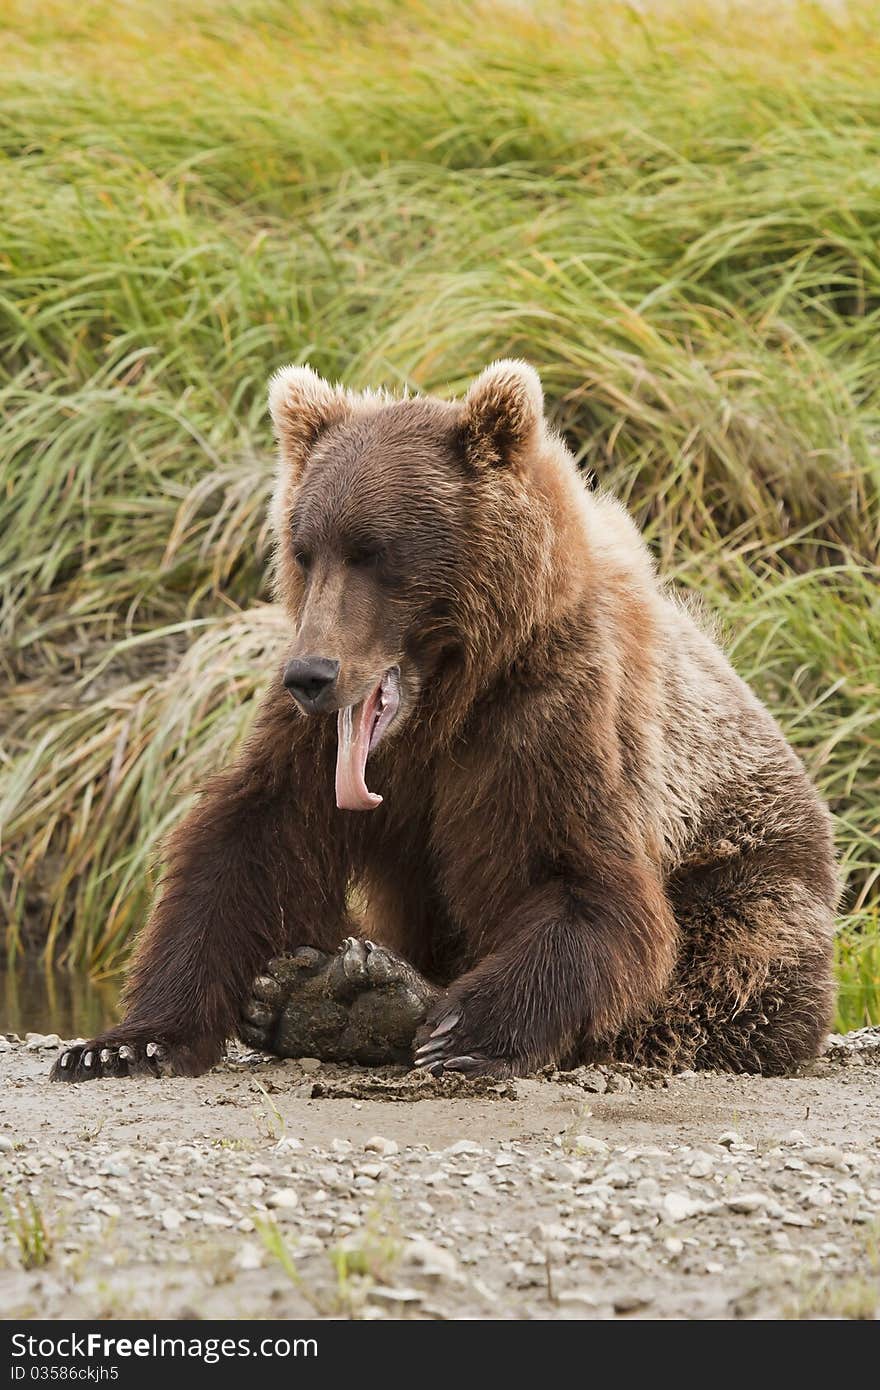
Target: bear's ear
[
  {"x": 302, "y": 405},
  {"x": 503, "y": 415}
]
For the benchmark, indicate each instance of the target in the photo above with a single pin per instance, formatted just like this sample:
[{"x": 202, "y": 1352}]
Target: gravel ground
[{"x": 296, "y": 1189}]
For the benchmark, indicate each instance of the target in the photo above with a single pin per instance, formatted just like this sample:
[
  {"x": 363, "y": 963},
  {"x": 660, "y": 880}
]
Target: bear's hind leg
[
  {"x": 753, "y": 990},
  {"x": 361, "y": 1004}
]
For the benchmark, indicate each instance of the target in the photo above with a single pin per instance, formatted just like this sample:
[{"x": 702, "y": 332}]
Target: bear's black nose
[{"x": 310, "y": 678}]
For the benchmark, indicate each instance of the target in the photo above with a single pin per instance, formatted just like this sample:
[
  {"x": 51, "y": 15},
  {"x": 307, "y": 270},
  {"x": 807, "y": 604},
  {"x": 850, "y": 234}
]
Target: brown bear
[{"x": 588, "y": 837}]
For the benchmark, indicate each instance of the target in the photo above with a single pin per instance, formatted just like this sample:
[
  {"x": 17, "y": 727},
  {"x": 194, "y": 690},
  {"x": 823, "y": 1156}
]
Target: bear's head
[{"x": 414, "y": 548}]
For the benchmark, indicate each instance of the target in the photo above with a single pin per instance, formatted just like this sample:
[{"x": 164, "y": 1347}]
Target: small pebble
[
  {"x": 380, "y": 1145},
  {"x": 678, "y": 1206},
  {"x": 747, "y": 1202},
  {"x": 384, "y": 1294},
  {"x": 588, "y": 1144},
  {"x": 630, "y": 1303},
  {"x": 283, "y": 1199},
  {"x": 824, "y": 1157},
  {"x": 371, "y": 1170},
  {"x": 585, "y": 1296},
  {"x": 250, "y": 1256}
]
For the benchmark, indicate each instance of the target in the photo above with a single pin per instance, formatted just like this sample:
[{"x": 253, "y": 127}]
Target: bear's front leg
[
  {"x": 243, "y": 881},
  {"x": 577, "y": 959}
]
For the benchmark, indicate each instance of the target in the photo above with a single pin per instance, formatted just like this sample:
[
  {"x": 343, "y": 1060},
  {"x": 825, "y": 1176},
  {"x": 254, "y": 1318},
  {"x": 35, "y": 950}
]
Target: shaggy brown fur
[{"x": 593, "y": 836}]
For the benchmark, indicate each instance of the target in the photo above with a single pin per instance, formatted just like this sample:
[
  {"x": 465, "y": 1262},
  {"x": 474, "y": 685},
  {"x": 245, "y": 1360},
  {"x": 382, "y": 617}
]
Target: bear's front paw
[
  {"x": 455, "y": 1039},
  {"x": 119, "y": 1055}
]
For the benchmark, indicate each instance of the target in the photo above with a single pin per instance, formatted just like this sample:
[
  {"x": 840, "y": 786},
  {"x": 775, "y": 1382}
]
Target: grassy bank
[{"x": 675, "y": 215}]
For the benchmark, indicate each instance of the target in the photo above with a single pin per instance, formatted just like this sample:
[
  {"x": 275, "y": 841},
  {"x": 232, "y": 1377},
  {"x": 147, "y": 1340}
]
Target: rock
[
  {"x": 5, "y": 1044},
  {"x": 678, "y": 1206},
  {"x": 747, "y": 1202},
  {"x": 569, "y": 1171},
  {"x": 250, "y": 1256},
  {"x": 824, "y": 1157},
  {"x": 306, "y": 1245},
  {"x": 341, "y": 1146},
  {"x": 430, "y": 1260},
  {"x": 35, "y": 1041},
  {"x": 673, "y": 1245},
  {"x": 850, "y": 1188},
  {"x": 588, "y": 1144},
  {"x": 114, "y": 1166},
  {"x": 283, "y": 1199},
  {"x": 384, "y": 1294},
  {"x": 585, "y": 1296},
  {"x": 379, "y": 1145},
  {"x": 592, "y": 1081},
  {"x": 478, "y": 1181},
  {"x": 546, "y": 1231},
  {"x": 619, "y": 1177},
  {"x": 288, "y": 1145},
  {"x": 648, "y": 1189},
  {"x": 6, "y": 1145},
  {"x": 617, "y": 1081},
  {"x": 702, "y": 1165},
  {"x": 309, "y": 1064},
  {"x": 371, "y": 1170},
  {"x": 729, "y": 1138},
  {"x": 630, "y": 1302},
  {"x": 172, "y": 1220},
  {"x": 465, "y": 1146},
  {"x": 794, "y": 1136},
  {"x": 817, "y": 1197}
]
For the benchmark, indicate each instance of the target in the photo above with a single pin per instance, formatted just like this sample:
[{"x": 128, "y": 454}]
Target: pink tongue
[{"x": 354, "y": 727}]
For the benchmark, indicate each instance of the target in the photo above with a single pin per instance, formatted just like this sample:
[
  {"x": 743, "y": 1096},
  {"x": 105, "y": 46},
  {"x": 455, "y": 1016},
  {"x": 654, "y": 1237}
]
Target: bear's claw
[
  {"x": 451, "y": 1044},
  {"x": 90, "y": 1061}
]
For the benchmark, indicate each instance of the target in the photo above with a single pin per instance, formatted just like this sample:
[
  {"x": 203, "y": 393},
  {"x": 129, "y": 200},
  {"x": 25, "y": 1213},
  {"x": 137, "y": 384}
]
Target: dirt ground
[{"x": 298, "y": 1189}]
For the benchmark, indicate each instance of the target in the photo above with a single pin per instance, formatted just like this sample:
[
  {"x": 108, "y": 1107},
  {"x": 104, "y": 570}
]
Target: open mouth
[{"x": 360, "y": 728}]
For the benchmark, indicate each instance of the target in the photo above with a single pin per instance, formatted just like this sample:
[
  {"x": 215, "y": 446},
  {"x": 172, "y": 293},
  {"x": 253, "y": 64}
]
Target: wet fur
[{"x": 593, "y": 835}]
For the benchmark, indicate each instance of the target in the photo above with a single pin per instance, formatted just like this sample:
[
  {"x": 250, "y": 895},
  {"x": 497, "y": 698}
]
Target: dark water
[{"x": 34, "y": 1000}]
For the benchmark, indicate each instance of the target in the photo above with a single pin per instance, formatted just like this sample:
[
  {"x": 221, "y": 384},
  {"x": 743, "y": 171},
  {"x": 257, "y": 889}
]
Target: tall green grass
[{"x": 673, "y": 210}]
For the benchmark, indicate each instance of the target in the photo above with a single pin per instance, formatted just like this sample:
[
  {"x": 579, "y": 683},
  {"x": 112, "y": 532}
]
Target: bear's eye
[
  {"x": 364, "y": 556},
  {"x": 302, "y": 558}
]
